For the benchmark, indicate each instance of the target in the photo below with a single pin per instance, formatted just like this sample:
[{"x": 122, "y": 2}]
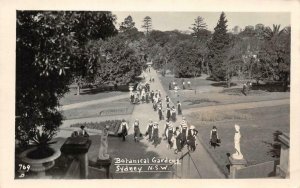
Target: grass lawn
[
  {"x": 119, "y": 107},
  {"x": 87, "y": 95},
  {"x": 213, "y": 93},
  {"x": 257, "y": 128}
]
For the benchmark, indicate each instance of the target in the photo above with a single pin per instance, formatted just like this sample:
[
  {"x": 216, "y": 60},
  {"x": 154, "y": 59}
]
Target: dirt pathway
[{"x": 203, "y": 162}]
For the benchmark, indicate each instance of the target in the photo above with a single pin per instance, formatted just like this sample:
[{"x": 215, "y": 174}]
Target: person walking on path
[
  {"x": 123, "y": 130},
  {"x": 169, "y": 135},
  {"x": 165, "y": 129},
  {"x": 177, "y": 136},
  {"x": 189, "y": 84},
  {"x": 168, "y": 115},
  {"x": 155, "y": 134},
  {"x": 179, "y": 108},
  {"x": 152, "y": 96},
  {"x": 160, "y": 114},
  {"x": 136, "y": 129},
  {"x": 184, "y": 131},
  {"x": 149, "y": 130},
  {"x": 173, "y": 114},
  {"x": 132, "y": 97},
  {"x": 147, "y": 97},
  {"x": 214, "y": 137},
  {"x": 191, "y": 138}
]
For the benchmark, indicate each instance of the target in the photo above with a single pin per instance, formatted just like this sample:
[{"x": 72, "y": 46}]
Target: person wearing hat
[
  {"x": 191, "y": 138},
  {"x": 149, "y": 130},
  {"x": 168, "y": 115},
  {"x": 160, "y": 114},
  {"x": 147, "y": 96},
  {"x": 167, "y": 99},
  {"x": 165, "y": 129},
  {"x": 184, "y": 131},
  {"x": 214, "y": 137},
  {"x": 152, "y": 96},
  {"x": 177, "y": 136},
  {"x": 123, "y": 130},
  {"x": 155, "y": 134},
  {"x": 179, "y": 108},
  {"x": 169, "y": 135},
  {"x": 83, "y": 132},
  {"x": 173, "y": 113},
  {"x": 136, "y": 129},
  {"x": 132, "y": 97}
]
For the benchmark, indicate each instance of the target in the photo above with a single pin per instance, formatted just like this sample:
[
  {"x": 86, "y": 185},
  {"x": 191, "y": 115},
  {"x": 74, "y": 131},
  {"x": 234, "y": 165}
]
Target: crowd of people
[{"x": 176, "y": 137}]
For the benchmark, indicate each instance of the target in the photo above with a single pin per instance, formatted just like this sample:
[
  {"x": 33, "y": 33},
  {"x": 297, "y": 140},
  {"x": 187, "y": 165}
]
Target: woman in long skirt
[
  {"x": 169, "y": 134},
  {"x": 160, "y": 114},
  {"x": 173, "y": 114},
  {"x": 132, "y": 98},
  {"x": 123, "y": 130},
  {"x": 179, "y": 108},
  {"x": 192, "y": 134},
  {"x": 149, "y": 130},
  {"x": 184, "y": 131},
  {"x": 214, "y": 137},
  {"x": 136, "y": 129},
  {"x": 168, "y": 113},
  {"x": 155, "y": 134},
  {"x": 165, "y": 129},
  {"x": 147, "y": 97},
  {"x": 177, "y": 136}
]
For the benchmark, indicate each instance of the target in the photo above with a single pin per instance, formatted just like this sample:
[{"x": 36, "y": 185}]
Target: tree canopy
[{"x": 50, "y": 52}]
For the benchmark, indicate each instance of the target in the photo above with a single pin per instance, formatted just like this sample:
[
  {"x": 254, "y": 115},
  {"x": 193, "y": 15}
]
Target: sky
[{"x": 166, "y": 21}]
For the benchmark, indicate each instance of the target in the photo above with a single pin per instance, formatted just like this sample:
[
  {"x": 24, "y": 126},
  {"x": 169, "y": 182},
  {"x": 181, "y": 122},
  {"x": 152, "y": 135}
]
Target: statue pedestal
[{"x": 236, "y": 164}]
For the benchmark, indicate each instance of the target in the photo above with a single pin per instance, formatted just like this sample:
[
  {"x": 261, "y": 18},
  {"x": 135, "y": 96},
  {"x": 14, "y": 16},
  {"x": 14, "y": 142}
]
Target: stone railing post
[
  {"x": 283, "y": 169},
  {"x": 235, "y": 165},
  {"x": 78, "y": 147}
]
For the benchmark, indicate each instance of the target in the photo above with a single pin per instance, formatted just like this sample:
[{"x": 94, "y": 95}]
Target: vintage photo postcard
[{"x": 103, "y": 94}]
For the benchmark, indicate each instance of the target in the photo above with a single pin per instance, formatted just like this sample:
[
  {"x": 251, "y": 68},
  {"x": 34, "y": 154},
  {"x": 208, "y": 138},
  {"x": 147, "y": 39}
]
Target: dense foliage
[{"x": 50, "y": 52}]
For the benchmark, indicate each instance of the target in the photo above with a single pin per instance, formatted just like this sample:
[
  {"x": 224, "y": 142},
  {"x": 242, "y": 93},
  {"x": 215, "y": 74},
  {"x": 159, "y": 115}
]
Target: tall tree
[
  {"x": 276, "y": 53},
  {"x": 147, "y": 24},
  {"x": 121, "y": 64},
  {"x": 199, "y": 29},
  {"x": 50, "y": 52},
  {"x": 218, "y": 49},
  {"x": 127, "y": 25}
]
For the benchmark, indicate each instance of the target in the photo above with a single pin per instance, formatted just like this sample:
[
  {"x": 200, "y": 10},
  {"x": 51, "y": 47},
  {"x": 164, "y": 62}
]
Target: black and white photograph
[{"x": 112, "y": 94}]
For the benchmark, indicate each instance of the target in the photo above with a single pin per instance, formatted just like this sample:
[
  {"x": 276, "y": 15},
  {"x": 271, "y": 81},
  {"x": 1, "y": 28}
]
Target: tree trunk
[
  {"x": 207, "y": 68},
  {"x": 285, "y": 82},
  {"x": 78, "y": 89}
]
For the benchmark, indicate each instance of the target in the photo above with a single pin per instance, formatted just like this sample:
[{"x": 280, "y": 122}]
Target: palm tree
[{"x": 270, "y": 34}]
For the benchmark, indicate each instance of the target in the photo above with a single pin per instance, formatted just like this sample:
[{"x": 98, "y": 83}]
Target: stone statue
[
  {"x": 237, "y": 137},
  {"x": 103, "y": 145}
]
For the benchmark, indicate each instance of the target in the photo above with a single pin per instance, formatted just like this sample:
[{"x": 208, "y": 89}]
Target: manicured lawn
[
  {"x": 257, "y": 128},
  {"x": 87, "y": 95},
  {"x": 119, "y": 107},
  {"x": 207, "y": 93}
]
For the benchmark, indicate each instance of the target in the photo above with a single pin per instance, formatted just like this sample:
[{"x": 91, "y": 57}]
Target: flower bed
[{"x": 113, "y": 125}]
